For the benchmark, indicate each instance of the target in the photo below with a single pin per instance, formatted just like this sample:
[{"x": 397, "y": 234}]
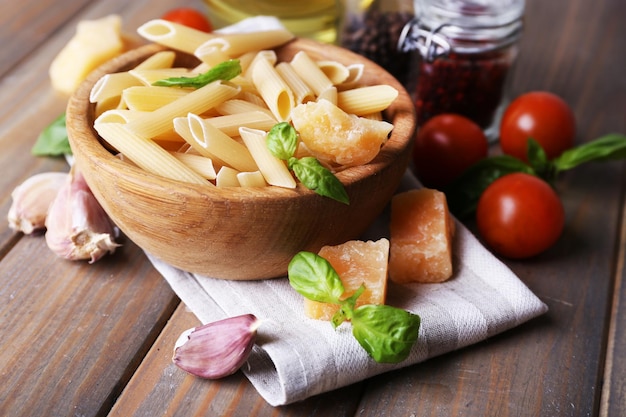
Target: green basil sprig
[
  {"x": 53, "y": 141},
  {"x": 463, "y": 194},
  {"x": 226, "y": 70},
  {"x": 282, "y": 141},
  {"x": 386, "y": 333}
]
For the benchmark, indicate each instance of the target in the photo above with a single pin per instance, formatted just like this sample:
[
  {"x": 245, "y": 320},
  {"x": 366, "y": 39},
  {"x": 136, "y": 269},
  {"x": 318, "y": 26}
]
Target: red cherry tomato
[
  {"x": 446, "y": 146},
  {"x": 542, "y": 116},
  {"x": 189, "y": 17},
  {"x": 519, "y": 216}
]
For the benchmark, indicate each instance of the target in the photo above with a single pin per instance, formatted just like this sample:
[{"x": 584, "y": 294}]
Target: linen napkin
[{"x": 296, "y": 357}]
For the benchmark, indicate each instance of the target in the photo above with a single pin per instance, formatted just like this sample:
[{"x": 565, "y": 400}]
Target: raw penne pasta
[
  {"x": 211, "y": 55},
  {"x": 227, "y": 177},
  {"x": 236, "y": 44},
  {"x": 182, "y": 128},
  {"x": 230, "y": 124},
  {"x": 336, "y": 72},
  {"x": 273, "y": 169},
  {"x": 200, "y": 164},
  {"x": 159, "y": 60},
  {"x": 269, "y": 56},
  {"x": 117, "y": 116},
  {"x": 146, "y": 154},
  {"x": 143, "y": 98},
  {"x": 106, "y": 104},
  {"x": 253, "y": 98},
  {"x": 198, "y": 101},
  {"x": 366, "y": 100},
  {"x": 251, "y": 179},
  {"x": 310, "y": 73},
  {"x": 356, "y": 72},
  {"x": 241, "y": 106},
  {"x": 150, "y": 76},
  {"x": 173, "y": 35},
  {"x": 209, "y": 140},
  {"x": 112, "y": 85},
  {"x": 301, "y": 91},
  {"x": 273, "y": 89},
  {"x": 329, "y": 94}
]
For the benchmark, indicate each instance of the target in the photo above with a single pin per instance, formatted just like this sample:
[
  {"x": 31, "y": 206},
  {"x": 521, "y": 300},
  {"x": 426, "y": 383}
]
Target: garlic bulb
[
  {"x": 77, "y": 226},
  {"x": 32, "y": 199}
]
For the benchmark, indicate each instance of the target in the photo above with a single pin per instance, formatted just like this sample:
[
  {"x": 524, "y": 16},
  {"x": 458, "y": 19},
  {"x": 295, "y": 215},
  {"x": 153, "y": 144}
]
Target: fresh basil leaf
[
  {"x": 282, "y": 141},
  {"x": 226, "y": 70},
  {"x": 463, "y": 194},
  {"x": 316, "y": 177},
  {"x": 53, "y": 141},
  {"x": 609, "y": 147},
  {"x": 314, "y": 277},
  {"x": 385, "y": 332}
]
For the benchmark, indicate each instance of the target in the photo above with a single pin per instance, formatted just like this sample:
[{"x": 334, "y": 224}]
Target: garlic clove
[
  {"x": 32, "y": 199},
  {"x": 216, "y": 349},
  {"x": 77, "y": 226}
]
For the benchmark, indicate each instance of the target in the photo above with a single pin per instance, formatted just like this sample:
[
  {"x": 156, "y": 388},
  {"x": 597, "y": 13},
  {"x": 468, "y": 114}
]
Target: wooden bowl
[{"x": 238, "y": 233}]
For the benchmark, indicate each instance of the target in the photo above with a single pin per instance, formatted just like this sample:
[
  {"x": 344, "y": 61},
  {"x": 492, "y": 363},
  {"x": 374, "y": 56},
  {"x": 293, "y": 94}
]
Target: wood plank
[
  {"x": 614, "y": 383},
  {"x": 552, "y": 365},
  {"x": 25, "y": 25},
  {"x": 72, "y": 333},
  {"x": 160, "y": 388}
]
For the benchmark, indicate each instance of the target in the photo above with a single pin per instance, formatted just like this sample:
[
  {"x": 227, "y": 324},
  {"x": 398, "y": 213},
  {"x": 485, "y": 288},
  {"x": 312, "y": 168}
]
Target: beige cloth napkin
[{"x": 297, "y": 357}]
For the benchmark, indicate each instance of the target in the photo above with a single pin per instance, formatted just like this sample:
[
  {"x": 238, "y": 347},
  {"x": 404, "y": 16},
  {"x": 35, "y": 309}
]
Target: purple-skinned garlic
[
  {"x": 218, "y": 349},
  {"x": 32, "y": 199},
  {"x": 77, "y": 226}
]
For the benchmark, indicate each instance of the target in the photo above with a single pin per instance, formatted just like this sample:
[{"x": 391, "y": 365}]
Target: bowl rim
[{"x": 81, "y": 132}]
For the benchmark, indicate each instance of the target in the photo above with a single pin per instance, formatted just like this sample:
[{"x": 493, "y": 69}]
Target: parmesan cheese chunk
[
  {"x": 421, "y": 233},
  {"x": 357, "y": 263},
  {"x": 95, "y": 42}
]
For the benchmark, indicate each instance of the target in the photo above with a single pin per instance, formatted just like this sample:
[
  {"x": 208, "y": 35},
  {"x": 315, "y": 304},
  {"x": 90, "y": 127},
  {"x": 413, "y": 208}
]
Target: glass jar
[
  {"x": 467, "y": 51},
  {"x": 372, "y": 28},
  {"x": 317, "y": 19}
]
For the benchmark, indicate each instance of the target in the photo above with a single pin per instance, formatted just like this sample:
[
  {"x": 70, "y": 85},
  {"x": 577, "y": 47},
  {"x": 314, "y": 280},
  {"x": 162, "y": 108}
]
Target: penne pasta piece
[
  {"x": 210, "y": 141},
  {"x": 198, "y": 101},
  {"x": 117, "y": 116},
  {"x": 212, "y": 54},
  {"x": 356, "y": 72},
  {"x": 236, "y": 44},
  {"x": 273, "y": 169},
  {"x": 146, "y": 154},
  {"x": 269, "y": 56},
  {"x": 274, "y": 90},
  {"x": 310, "y": 73},
  {"x": 143, "y": 98},
  {"x": 329, "y": 94},
  {"x": 235, "y": 106},
  {"x": 366, "y": 100},
  {"x": 107, "y": 104},
  {"x": 227, "y": 177},
  {"x": 111, "y": 86},
  {"x": 251, "y": 179},
  {"x": 200, "y": 164},
  {"x": 150, "y": 76},
  {"x": 336, "y": 72},
  {"x": 173, "y": 35},
  {"x": 230, "y": 124},
  {"x": 159, "y": 60},
  {"x": 301, "y": 91}
]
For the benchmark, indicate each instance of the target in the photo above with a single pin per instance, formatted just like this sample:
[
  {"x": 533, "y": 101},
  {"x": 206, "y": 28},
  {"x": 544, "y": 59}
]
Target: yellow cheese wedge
[
  {"x": 356, "y": 263},
  {"x": 95, "y": 42},
  {"x": 421, "y": 233}
]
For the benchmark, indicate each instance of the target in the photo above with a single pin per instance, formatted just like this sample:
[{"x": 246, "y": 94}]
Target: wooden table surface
[{"x": 95, "y": 340}]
